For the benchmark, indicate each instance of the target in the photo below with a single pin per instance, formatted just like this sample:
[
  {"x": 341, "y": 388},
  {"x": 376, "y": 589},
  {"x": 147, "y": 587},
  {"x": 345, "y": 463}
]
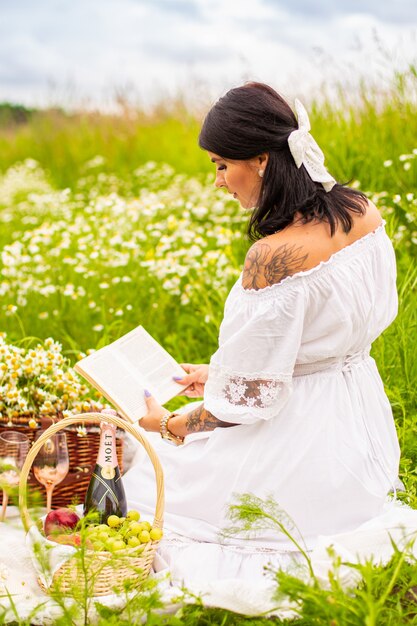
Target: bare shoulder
[
  {"x": 300, "y": 247},
  {"x": 272, "y": 259},
  {"x": 370, "y": 220}
]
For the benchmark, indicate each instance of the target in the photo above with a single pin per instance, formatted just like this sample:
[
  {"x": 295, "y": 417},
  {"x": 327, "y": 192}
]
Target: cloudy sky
[{"x": 92, "y": 51}]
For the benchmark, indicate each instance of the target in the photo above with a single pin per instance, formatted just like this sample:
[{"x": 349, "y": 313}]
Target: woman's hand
[
  {"x": 194, "y": 381},
  {"x": 152, "y": 420}
]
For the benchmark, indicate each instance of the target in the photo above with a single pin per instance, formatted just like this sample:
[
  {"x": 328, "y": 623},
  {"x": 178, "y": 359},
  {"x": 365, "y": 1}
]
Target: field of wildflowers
[
  {"x": 86, "y": 264},
  {"x": 95, "y": 241}
]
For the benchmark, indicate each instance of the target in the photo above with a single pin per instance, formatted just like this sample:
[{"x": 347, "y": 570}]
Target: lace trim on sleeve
[
  {"x": 241, "y": 392},
  {"x": 257, "y": 393}
]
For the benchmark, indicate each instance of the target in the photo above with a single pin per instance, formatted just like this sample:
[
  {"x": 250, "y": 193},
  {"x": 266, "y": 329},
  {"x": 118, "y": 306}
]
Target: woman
[{"x": 294, "y": 406}]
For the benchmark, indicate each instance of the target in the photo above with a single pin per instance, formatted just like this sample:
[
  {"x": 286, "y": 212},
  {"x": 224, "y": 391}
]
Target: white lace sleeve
[{"x": 250, "y": 375}]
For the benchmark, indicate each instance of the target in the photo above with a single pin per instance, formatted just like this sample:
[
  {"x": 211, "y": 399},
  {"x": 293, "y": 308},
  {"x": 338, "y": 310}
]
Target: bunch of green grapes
[{"x": 121, "y": 533}]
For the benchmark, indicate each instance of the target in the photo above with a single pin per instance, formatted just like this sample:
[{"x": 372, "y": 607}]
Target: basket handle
[{"x": 95, "y": 418}]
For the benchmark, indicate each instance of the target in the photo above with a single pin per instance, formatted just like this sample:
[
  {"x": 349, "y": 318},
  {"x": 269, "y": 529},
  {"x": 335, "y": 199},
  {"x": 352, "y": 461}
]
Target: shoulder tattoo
[{"x": 266, "y": 265}]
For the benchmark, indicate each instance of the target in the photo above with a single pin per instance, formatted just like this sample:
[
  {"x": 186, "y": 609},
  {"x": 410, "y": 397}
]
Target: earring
[{"x": 261, "y": 173}]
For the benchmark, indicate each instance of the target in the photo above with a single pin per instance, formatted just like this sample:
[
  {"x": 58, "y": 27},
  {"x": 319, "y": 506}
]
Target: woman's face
[{"x": 240, "y": 178}]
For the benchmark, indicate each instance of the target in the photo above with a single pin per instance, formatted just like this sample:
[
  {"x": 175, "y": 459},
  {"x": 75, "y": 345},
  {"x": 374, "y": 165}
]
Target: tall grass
[
  {"x": 358, "y": 132},
  {"x": 62, "y": 143}
]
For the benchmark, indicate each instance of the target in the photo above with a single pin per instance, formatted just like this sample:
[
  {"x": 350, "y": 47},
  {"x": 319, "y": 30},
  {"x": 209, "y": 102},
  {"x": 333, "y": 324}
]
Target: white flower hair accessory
[{"x": 305, "y": 150}]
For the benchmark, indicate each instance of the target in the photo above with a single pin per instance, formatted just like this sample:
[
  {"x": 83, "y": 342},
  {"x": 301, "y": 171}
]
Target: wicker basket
[
  {"x": 102, "y": 572},
  {"x": 82, "y": 454}
]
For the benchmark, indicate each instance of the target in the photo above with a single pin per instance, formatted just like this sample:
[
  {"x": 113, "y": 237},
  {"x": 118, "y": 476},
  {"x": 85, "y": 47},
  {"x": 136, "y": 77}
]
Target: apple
[{"x": 59, "y": 519}]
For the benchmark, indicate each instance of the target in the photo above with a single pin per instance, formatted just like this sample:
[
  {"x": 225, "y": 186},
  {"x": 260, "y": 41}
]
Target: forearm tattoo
[
  {"x": 200, "y": 419},
  {"x": 266, "y": 266}
]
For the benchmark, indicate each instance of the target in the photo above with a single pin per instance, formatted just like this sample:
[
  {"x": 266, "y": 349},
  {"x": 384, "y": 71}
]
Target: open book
[{"x": 123, "y": 370}]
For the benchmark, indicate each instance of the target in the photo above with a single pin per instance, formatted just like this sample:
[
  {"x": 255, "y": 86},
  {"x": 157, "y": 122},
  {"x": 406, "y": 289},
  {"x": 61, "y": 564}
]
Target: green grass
[
  {"x": 358, "y": 132},
  {"x": 63, "y": 143},
  {"x": 157, "y": 245}
]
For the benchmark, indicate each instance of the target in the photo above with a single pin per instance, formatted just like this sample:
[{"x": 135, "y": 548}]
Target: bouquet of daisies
[{"x": 40, "y": 381}]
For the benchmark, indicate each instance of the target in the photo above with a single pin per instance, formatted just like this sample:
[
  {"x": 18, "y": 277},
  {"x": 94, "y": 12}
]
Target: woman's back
[
  {"x": 301, "y": 246},
  {"x": 345, "y": 301}
]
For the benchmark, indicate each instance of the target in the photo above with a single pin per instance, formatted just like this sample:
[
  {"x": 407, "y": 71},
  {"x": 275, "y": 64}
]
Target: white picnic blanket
[{"x": 370, "y": 541}]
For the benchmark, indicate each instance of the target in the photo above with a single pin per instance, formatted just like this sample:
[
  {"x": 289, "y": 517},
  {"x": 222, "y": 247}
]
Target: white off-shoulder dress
[
  {"x": 315, "y": 431},
  {"x": 314, "y": 428}
]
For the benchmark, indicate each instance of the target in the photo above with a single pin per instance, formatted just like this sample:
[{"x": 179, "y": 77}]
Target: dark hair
[{"x": 254, "y": 119}]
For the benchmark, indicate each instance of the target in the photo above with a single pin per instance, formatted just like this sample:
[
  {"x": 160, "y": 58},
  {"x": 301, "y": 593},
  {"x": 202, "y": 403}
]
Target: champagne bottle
[{"x": 105, "y": 494}]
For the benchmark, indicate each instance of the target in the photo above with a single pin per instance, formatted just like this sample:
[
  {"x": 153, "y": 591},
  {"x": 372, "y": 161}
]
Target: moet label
[
  {"x": 108, "y": 472},
  {"x": 107, "y": 458}
]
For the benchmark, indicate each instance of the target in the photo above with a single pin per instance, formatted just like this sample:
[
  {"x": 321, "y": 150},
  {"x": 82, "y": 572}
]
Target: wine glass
[
  {"x": 14, "y": 447},
  {"x": 51, "y": 464}
]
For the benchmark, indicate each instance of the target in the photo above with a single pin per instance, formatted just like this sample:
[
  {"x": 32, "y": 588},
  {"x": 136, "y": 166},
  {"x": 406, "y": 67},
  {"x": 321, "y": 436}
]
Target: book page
[
  {"x": 122, "y": 371},
  {"x": 126, "y": 392}
]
